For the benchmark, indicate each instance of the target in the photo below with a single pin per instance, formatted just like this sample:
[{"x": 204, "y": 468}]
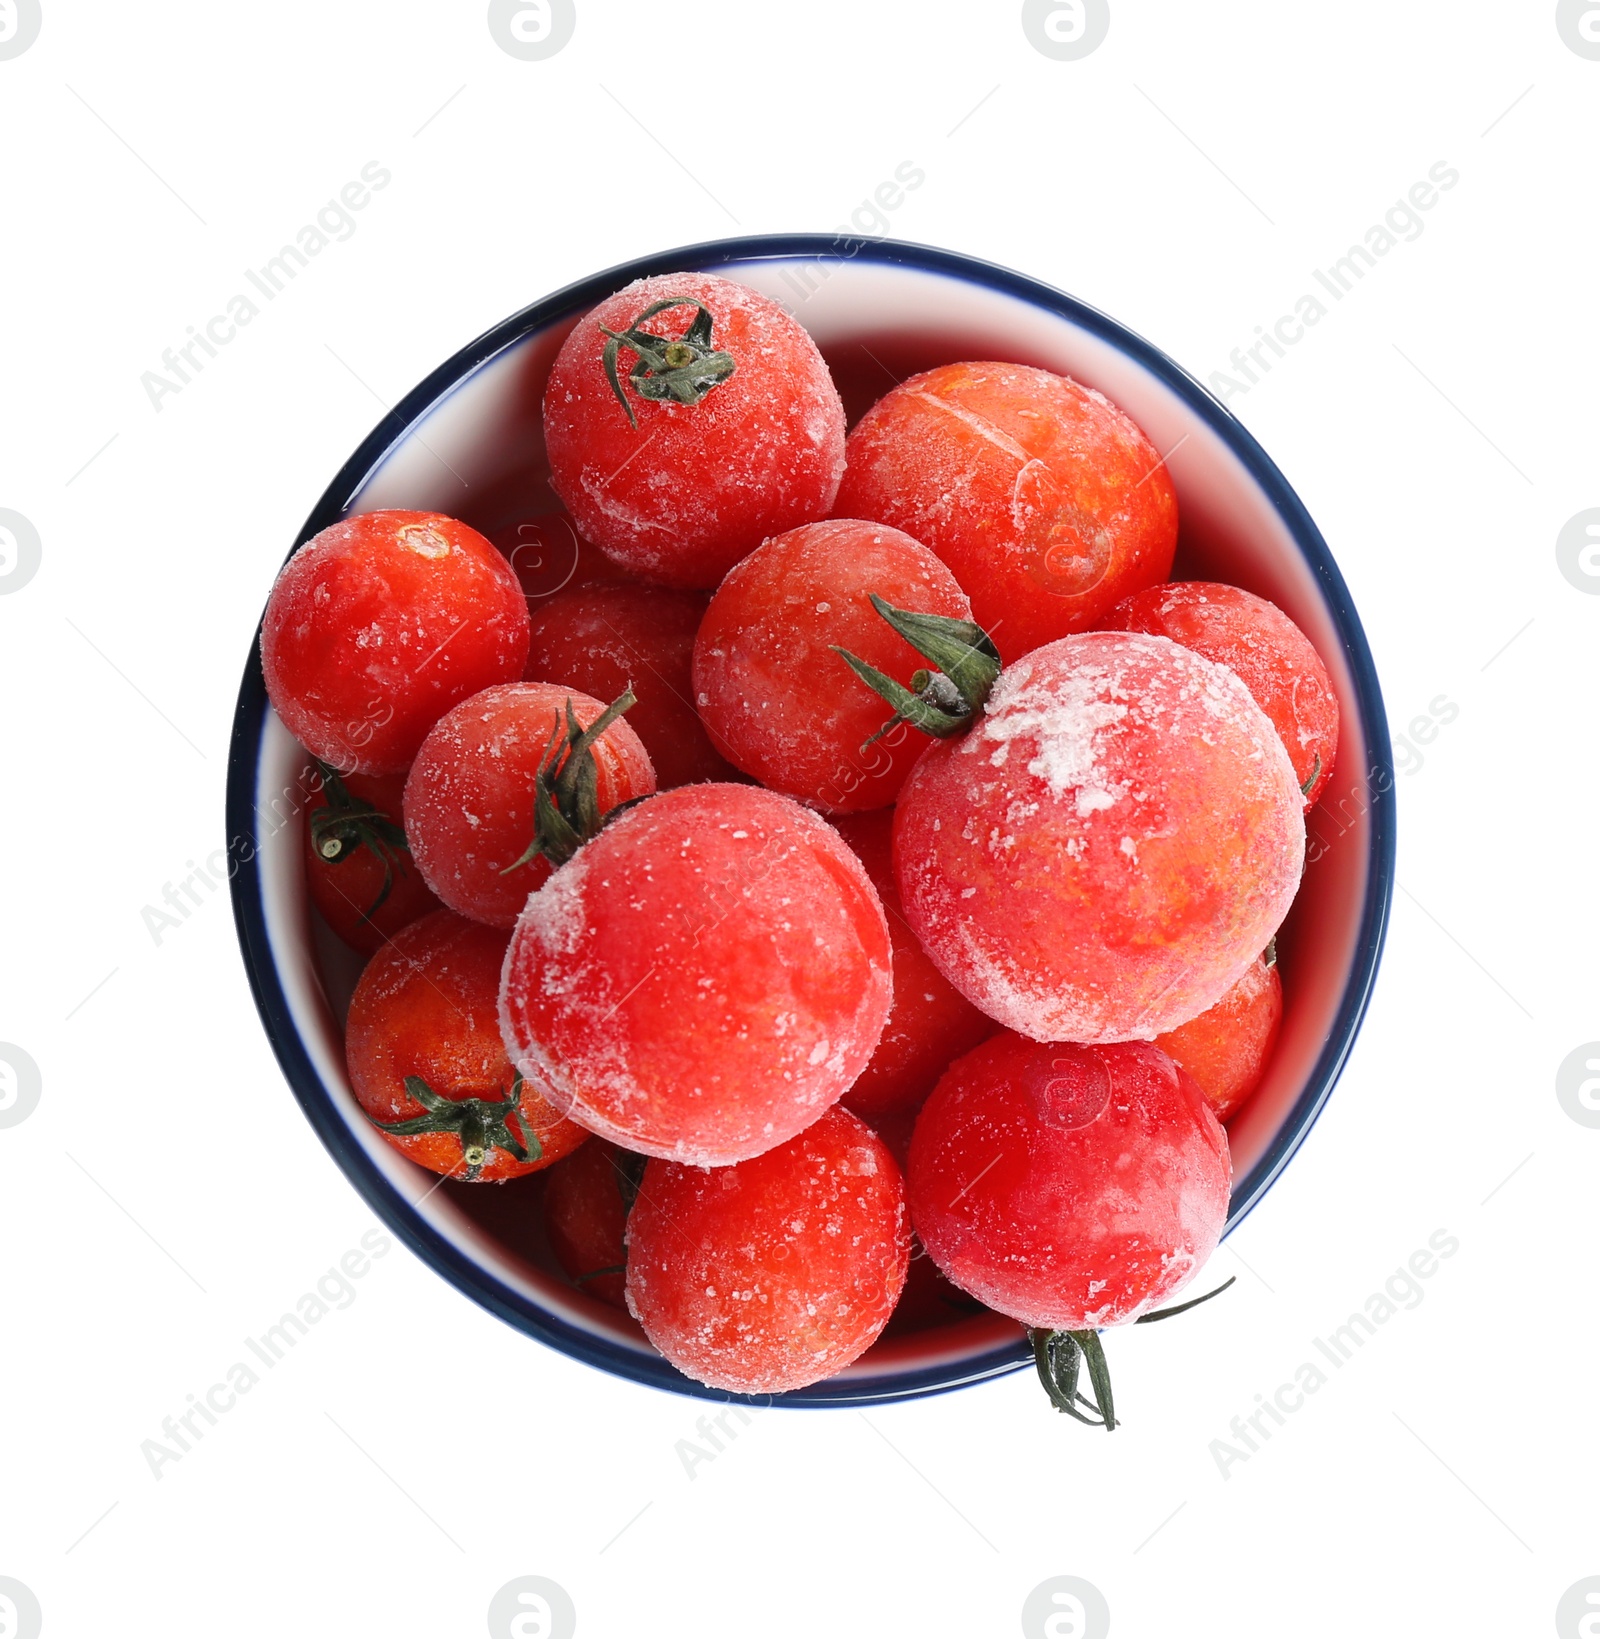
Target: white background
[{"x": 167, "y": 1197}]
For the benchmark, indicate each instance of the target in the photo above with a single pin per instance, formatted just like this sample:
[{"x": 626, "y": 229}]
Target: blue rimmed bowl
[{"x": 467, "y": 442}]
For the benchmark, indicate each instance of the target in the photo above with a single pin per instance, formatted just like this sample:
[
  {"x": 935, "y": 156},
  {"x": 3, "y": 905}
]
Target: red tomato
[
  {"x": 604, "y": 639},
  {"x": 1106, "y": 852},
  {"x": 469, "y": 800},
  {"x": 778, "y": 701},
  {"x": 587, "y": 1199},
  {"x": 1046, "y": 501},
  {"x": 359, "y": 868},
  {"x": 423, "y": 1048},
  {"x": 1068, "y": 1187},
  {"x": 703, "y": 979},
  {"x": 379, "y": 625},
  {"x": 775, "y": 1273},
  {"x": 679, "y": 491},
  {"x": 1228, "y": 1047},
  {"x": 930, "y": 1022},
  {"x": 1270, "y": 653}
]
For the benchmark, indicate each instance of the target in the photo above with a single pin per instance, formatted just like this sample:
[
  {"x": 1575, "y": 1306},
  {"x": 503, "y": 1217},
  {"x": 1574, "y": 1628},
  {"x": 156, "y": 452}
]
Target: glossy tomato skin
[
  {"x": 775, "y": 1273},
  {"x": 1228, "y": 1047},
  {"x": 1069, "y": 1187},
  {"x": 1104, "y": 854},
  {"x": 586, "y": 1202},
  {"x": 1259, "y": 642},
  {"x": 779, "y": 703},
  {"x": 469, "y": 799},
  {"x": 1046, "y": 501},
  {"x": 379, "y": 625},
  {"x": 703, "y": 979},
  {"x": 426, "y": 1005},
  {"x": 680, "y": 498},
  {"x": 606, "y": 638},
  {"x": 346, "y": 889},
  {"x": 930, "y": 1022}
]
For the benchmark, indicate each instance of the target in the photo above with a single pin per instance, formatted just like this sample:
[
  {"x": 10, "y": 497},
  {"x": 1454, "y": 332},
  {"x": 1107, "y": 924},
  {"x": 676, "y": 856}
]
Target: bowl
[{"x": 467, "y": 442}]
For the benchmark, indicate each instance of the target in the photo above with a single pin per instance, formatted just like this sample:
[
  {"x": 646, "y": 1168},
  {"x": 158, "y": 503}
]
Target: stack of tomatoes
[{"x": 740, "y": 883}]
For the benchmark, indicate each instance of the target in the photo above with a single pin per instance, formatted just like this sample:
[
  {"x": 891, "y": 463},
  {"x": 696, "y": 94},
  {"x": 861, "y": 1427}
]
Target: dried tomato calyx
[
  {"x": 684, "y": 370},
  {"x": 941, "y": 702},
  {"x": 345, "y": 825},
  {"x": 482, "y": 1124},
  {"x": 566, "y": 788},
  {"x": 1312, "y": 778},
  {"x": 1060, "y": 1358}
]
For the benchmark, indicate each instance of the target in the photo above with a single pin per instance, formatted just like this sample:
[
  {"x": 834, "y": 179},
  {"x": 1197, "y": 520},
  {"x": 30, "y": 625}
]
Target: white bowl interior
[{"x": 479, "y": 455}]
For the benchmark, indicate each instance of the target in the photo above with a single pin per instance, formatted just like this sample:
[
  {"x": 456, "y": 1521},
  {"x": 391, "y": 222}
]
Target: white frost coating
[{"x": 1063, "y": 720}]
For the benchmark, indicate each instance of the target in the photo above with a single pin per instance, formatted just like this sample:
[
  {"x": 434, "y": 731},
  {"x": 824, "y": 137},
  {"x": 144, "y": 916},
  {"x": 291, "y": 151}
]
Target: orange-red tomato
[
  {"x": 679, "y": 492},
  {"x": 606, "y": 638},
  {"x": 426, "y": 1010},
  {"x": 778, "y": 701},
  {"x": 469, "y": 800},
  {"x": 930, "y": 1022},
  {"x": 1046, "y": 501},
  {"x": 1256, "y": 639},
  {"x": 775, "y": 1273},
  {"x": 359, "y": 871},
  {"x": 379, "y": 625},
  {"x": 1228, "y": 1047},
  {"x": 587, "y": 1198}
]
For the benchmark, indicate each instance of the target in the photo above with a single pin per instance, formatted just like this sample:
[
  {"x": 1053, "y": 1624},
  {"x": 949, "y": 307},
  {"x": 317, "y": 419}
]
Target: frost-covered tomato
[
  {"x": 716, "y": 425},
  {"x": 703, "y": 979},
  {"x": 604, "y": 639},
  {"x": 469, "y": 800},
  {"x": 379, "y": 625},
  {"x": 775, "y": 1273},
  {"x": 1227, "y": 1048},
  {"x": 1046, "y": 501},
  {"x": 1068, "y": 1187},
  {"x": 930, "y": 1022},
  {"x": 1104, "y": 854},
  {"x": 359, "y": 869},
  {"x": 778, "y": 701},
  {"x": 1257, "y": 640},
  {"x": 587, "y": 1199},
  {"x": 427, "y": 1064}
]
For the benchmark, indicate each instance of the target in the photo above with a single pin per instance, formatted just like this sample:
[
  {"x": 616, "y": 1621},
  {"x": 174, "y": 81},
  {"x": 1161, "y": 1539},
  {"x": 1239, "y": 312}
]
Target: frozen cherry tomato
[
  {"x": 587, "y": 1199},
  {"x": 1228, "y": 1047},
  {"x": 1103, "y": 854},
  {"x": 1046, "y": 501},
  {"x": 427, "y": 1063},
  {"x": 775, "y": 1273},
  {"x": 605, "y": 639},
  {"x": 1257, "y": 640},
  {"x": 930, "y": 1022},
  {"x": 379, "y": 625},
  {"x": 780, "y": 703},
  {"x": 1068, "y": 1187},
  {"x": 359, "y": 868},
  {"x": 469, "y": 800},
  {"x": 703, "y": 979},
  {"x": 686, "y": 419}
]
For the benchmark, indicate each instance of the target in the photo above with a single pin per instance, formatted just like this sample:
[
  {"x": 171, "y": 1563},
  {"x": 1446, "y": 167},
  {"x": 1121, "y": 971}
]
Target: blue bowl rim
[{"x": 250, "y": 720}]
